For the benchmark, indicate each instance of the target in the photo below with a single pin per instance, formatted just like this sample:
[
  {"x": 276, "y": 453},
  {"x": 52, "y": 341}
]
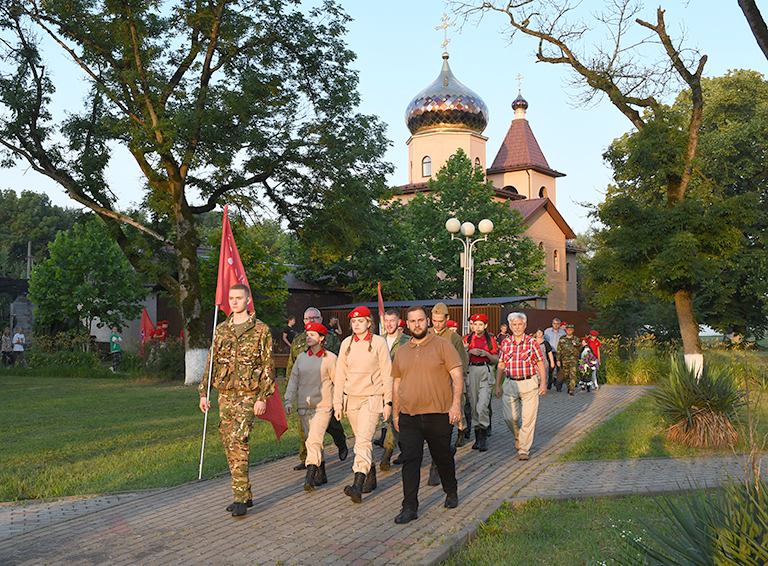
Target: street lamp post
[{"x": 467, "y": 229}]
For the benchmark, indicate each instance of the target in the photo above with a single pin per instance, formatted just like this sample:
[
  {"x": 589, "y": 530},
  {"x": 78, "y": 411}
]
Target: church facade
[{"x": 447, "y": 116}]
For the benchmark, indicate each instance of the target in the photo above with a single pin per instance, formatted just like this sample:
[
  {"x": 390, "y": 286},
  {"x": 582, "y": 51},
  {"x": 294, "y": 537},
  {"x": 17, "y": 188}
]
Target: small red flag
[
  {"x": 231, "y": 271},
  {"x": 146, "y": 330},
  {"x": 381, "y": 311}
]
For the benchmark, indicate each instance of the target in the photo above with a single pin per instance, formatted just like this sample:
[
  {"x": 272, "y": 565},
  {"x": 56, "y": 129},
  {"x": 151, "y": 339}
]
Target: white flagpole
[{"x": 208, "y": 395}]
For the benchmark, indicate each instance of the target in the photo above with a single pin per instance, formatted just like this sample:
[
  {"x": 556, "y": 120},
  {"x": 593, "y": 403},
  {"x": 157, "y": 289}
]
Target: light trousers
[
  {"x": 364, "y": 414},
  {"x": 316, "y": 422},
  {"x": 520, "y": 403}
]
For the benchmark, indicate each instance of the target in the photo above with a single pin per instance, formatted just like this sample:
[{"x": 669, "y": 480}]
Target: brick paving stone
[{"x": 290, "y": 526}]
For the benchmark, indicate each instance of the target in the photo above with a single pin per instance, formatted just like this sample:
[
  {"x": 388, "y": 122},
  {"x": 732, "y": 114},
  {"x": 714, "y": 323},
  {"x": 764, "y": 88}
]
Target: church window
[
  {"x": 556, "y": 260},
  {"x": 477, "y": 162},
  {"x": 426, "y": 167},
  {"x": 567, "y": 270},
  {"x": 543, "y": 192},
  {"x": 511, "y": 189}
]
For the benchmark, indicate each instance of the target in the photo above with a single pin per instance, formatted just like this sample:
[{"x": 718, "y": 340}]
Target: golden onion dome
[{"x": 446, "y": 103}]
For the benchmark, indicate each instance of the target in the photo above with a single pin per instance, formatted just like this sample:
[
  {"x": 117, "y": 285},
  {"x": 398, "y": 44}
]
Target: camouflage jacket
[
  {"x": 299, "y": 346},
  {"x": 244, "y": 363},
  {"x": 569, "y": 349}
]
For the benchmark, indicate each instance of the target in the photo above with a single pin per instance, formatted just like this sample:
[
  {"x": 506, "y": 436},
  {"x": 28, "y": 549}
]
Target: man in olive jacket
[{"x": 243, "y": 373}]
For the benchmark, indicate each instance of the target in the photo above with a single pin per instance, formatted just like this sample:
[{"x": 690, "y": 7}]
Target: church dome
[
  {"x": 446, "y": 103},
  {"x": 519, "y": 102}
]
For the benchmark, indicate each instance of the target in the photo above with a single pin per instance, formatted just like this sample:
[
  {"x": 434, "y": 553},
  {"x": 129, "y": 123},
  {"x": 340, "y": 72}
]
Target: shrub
[
  {"x": 724, "y": 527},
  {"x": 65, "y": 364},
  {"x": 699, "y": 411},
  {"x": 165, "y": 360},
  {"x": 638, "y": 361}
]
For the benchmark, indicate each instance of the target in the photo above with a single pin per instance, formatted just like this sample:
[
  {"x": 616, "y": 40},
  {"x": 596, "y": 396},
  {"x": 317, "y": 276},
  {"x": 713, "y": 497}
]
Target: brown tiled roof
[
  {"x": 424, "y": 187},
  {"x": 520, "y": 150},
  {"x": 528, "y": 207}
]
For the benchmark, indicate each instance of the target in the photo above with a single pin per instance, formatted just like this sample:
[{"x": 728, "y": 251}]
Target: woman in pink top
[{"x": 363, "y": 392}]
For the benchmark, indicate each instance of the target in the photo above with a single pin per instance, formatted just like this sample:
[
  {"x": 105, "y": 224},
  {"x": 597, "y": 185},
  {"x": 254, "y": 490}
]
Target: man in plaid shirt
[{"x": 522, "y": 365}]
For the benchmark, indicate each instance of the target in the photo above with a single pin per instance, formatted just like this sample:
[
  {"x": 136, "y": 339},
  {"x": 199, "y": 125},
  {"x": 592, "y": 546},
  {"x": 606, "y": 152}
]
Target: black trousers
[
  {"x": 336, "y": 430},
  {"x": 436, "y": 429}
]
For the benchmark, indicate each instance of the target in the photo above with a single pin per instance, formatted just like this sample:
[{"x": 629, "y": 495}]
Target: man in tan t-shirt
[{"x": 428, "y": 382}]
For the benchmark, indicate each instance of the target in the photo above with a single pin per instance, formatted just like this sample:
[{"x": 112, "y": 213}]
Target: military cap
[
  {"x": 569, "y": 325},
  {"x": 480, "y": 317},
  {"x": 440, "y": 308},
  {"x": 360, "y": 312},
  {"x": 316, "y": 327}
]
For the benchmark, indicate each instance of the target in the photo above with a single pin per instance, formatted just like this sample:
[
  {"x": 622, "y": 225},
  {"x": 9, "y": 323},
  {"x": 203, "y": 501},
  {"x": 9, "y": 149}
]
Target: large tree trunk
[{"x": 689, "y": 329}]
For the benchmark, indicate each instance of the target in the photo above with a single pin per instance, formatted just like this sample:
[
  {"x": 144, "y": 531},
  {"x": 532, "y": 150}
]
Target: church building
[{"x": 447, "y": 116}]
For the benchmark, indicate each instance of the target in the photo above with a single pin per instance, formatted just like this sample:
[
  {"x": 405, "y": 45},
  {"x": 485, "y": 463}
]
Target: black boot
[
  {"x": 380, "y": 441},
  {"x": 385, "y": 465},
  {"x": 309, "y": 480},
  {"x": 482, "y": 439},
  {"x": 476, "y": 445},
  {"x": 320, "y": 477},
  {"x": 355, "y": 491},
  {"x": 231, "y": 506},
  {"x": 343, "y": 450},
  {"x": 461, "y": 439},
  {"x": 434, "y": 475},
  {"x": 370, "y": 481}
]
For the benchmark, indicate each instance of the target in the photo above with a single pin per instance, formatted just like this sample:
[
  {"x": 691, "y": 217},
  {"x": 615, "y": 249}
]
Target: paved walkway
[{"x": 188, "y": 525}]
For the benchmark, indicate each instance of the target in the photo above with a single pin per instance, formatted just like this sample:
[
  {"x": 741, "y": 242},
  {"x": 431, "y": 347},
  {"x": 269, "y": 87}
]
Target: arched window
[
  {"x": 511, "y": 189},
  {"x": 477, "y": 162},
  {"x": 556, "y": 260},
  {"x": 426, "y": 167},
  {"x": 543, "y": 192},
  {"x": 567, "y": 270}
]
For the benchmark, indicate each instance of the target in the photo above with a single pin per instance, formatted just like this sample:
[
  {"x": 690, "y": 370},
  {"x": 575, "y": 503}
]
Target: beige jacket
[
  {"x": 311, "y": 382},
  {"x": 362, "y": 373}
]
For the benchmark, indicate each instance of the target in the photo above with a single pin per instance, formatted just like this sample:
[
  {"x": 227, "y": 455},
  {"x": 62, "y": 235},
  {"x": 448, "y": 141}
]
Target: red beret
[
  {"x": 452, "y": 324},
  {"x": 360, "y": 311},
  {"x": 480, "y": 317},
  {"x": 163, "y": 322},
  {"x": 401, "y": 323},
  {"x": 594, "y": 332},
  {"x": 316, "y": 327}
]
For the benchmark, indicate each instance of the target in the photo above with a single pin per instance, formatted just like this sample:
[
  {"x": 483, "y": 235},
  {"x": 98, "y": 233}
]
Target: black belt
[
  {"x": 521, "y": 378},
  {"x": 479, "y": 363}
]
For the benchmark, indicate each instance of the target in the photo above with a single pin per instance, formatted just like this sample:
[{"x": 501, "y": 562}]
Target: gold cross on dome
[
  {"x": 445, "y": 27},
  {"x": 519, "y": 81}
]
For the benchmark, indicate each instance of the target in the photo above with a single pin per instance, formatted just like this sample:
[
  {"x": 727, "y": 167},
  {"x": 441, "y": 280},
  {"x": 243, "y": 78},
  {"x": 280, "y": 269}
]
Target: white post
[{"x": 208, "y": 395}]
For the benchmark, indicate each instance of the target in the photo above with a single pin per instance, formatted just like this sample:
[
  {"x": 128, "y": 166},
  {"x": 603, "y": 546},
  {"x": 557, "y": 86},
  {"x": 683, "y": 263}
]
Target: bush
[
  {"x": 65, "y": 364},
  {"x": 638, "y": 361},
  {"x": 699, "y": 410},
  {"x": 165, "y": 360},
  {"x": 724, "y": 527}
]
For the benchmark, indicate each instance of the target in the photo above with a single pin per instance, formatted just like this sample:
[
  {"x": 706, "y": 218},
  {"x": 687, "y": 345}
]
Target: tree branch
[
  {"x": 756, "y": 24},
  {"x": 214, "y": 197}
]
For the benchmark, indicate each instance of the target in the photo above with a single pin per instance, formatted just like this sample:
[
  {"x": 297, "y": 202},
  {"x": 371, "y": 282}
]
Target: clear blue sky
[{"x": 399, "y": 54}]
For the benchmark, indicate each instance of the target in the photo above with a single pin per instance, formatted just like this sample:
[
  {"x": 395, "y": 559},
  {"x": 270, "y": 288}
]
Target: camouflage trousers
[
  {"x": 235, "y": 425},
  {"x": 568, "y": 373}
]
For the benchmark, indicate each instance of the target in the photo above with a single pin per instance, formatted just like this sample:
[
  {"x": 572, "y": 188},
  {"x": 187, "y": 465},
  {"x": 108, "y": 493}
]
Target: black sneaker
[{"x": 406, "y": 516}]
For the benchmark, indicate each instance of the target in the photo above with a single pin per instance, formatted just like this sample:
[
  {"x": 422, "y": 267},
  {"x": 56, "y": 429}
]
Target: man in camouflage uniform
[
  {"x": 568, "y": 353},
  {"x": 299, "y": 346},
  {"x": 243, "y": 373}
]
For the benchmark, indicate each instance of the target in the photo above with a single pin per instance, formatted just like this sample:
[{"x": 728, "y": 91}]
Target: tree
[
  {"x": 621, "y": 72},
  {"x": 85, "y": 278},
  {"x": 249, "y": 102},
  {"x": 756, "y": 23},
  {"x": 716, "y": 241}
]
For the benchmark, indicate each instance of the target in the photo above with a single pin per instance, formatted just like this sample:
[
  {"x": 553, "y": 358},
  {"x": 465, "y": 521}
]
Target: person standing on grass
[
  {"x": 7, "y": 347},
  {"x": 243, "y": 372},
  {"x": 115, "y": 347},
  {"x": 363, "y": 392},
  {"x": 428, "y": 379},
  {"x": 311, "y": 386},
  {"x": 19, "y": 342},
  {"x": 522, "y": 366}
]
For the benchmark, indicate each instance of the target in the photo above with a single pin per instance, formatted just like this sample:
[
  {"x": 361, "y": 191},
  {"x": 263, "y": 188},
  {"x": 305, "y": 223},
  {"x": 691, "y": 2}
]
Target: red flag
[
  {"x": 146, "y": 330},
  {"x": 231, "y": 271},
  {"x": 381, "y": 312}
]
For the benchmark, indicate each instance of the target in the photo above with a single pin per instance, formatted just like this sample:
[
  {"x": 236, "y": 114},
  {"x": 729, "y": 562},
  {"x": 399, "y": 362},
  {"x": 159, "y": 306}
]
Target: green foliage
[
  {"x": 727, "y": 527},
  {"x": 699, "y": 409},
  {"x": 258, "y": 246},
  {"x": 637, "y": 361},
  {"x": 713, "y": 242},
  {"x": 86, "y": 277},
  {"x": 165, "y": 360}
]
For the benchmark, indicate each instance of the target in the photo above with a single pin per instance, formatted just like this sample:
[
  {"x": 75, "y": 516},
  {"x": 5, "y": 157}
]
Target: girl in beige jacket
[{"x": 363, "y": 392}]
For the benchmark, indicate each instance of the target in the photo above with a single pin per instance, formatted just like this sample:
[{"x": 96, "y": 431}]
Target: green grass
[
  {"x": 559, "y": 533},
  {"x": 637, "y": 432},
  {"x": 64, "y": 436}
]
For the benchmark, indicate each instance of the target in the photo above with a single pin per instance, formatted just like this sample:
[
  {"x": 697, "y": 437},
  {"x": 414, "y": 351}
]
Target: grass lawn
[
  {"x": 65, "y": 436},
  {"x": 560, "y": 533},
  {"x": 636, "y": 432}
]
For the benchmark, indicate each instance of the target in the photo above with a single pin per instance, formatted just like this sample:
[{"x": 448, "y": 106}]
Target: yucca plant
[
  {"x": 699, "y": 409},
  {"x": 728, "y": 527}
]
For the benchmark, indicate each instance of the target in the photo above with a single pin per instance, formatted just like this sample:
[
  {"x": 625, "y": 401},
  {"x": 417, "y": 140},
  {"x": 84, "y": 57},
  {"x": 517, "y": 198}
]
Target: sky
[{"x": 399, "y": 53}]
